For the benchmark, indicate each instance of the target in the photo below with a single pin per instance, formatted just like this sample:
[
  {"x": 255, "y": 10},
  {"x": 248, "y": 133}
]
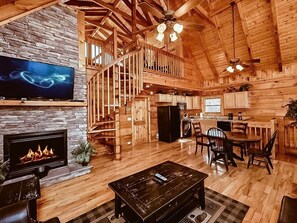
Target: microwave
[{"x": 182, "y": 106}]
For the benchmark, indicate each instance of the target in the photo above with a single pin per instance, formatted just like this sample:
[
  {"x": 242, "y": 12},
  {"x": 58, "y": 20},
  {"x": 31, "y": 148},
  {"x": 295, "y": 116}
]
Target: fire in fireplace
[
  {"x": 32, "y": 156},
  {"x": 35, "y": 152}
]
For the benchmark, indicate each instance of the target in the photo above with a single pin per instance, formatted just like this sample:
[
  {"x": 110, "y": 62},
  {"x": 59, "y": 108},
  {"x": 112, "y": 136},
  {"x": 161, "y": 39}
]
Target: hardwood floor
[{"x": 254, "y": 187}]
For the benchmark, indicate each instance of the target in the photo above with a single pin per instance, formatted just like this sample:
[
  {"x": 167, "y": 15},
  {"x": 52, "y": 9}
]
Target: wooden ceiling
[{"x": 264, "y": 29}]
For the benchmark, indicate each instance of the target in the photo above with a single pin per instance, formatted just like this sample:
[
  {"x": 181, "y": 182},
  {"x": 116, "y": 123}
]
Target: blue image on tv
[{"x": 28, "y": 79}]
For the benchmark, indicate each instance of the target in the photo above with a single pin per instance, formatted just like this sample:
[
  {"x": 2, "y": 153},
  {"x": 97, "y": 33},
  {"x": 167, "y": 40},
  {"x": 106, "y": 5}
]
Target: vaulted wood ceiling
[{"x": 264, "y": 29}]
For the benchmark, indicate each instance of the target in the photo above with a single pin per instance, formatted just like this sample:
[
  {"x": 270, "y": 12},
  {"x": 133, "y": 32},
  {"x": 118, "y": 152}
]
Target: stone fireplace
[
  {"x": 50, "y": 36},
  {"x": 36, "y": 152}
]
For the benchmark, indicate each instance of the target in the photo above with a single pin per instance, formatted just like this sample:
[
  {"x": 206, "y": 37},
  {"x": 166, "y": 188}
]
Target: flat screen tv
[{"x": 28, "y": 79}]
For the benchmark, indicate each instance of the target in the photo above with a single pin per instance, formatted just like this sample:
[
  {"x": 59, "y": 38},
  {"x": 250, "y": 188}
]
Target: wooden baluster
[
  {"x": 108, "y": 92},
  {"x": 113, "y": 88},
  {"x": 98, "y": 96},
  {"x": 137, "y": 73},
  {"x": 129, "y": 75},
  {"x": 89, "y": 105},
  {"x": 119, "y": 83},
  {"x": 93, "y": 100},
  {"x": 141, "y": 70},
  {"x": 133, "y": 75},
  {"x": 102, "y": 88},
  {"x": 125, "y": 81}
]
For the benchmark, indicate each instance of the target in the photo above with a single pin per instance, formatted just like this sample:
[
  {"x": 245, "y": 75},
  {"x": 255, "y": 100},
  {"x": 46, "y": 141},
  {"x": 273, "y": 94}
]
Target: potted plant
[
  {"x": 245, "y": 87},
  {"x": 292, "y": 110},
  {"x": 4, "y": 168},
  {"x": 83, "y": 153}
]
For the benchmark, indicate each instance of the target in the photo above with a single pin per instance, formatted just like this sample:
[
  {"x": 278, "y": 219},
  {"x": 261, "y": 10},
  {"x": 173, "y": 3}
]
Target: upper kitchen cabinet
[
  {"x": 236, "y": 100},
  {"x": 163, "y": 98},
  {"x": 196, "y": 102},
  {"x": 180, "y": 98},
  {"x": 189, "y": 102}
]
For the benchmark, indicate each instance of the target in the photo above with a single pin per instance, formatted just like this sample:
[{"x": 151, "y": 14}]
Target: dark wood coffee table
[{"x": 146, "y": 200}]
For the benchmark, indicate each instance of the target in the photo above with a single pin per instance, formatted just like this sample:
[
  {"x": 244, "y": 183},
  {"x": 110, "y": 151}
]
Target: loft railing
[
  {"x": 100, "y": 53},
  {"x": 157, "y": 60},
  {"x": 161, "y": 62}
]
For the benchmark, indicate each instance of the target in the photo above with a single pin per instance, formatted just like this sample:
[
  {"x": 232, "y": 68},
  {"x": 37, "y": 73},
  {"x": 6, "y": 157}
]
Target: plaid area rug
[{"x": 219, "y": 209}]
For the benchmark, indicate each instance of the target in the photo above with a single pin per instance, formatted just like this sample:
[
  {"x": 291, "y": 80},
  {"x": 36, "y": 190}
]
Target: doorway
[{"x": 141, "y": 121}]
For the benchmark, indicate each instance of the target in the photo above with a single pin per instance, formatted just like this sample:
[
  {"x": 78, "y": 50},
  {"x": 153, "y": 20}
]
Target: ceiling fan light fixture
[
  {"x": 178, "y": 27},
  {"x": 239, "y": 67},
  {"x": 160, "y": 37},
  {"x": 173, "y": 36},
  {"x": 161, "y": 28},
  {"x": 230, "y": 69}
]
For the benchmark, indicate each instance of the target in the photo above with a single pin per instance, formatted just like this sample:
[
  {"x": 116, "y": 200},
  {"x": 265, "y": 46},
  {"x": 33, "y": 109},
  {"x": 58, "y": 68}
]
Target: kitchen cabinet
[
  {"x": 196, "y": 102},
  {"x": 193, "y": 102},
  {"x": 236, "y": 100},
  {"x": 163, "y": 98},
  {"x": 180, "y": 98},
  {"x": 189, "y": 102}
]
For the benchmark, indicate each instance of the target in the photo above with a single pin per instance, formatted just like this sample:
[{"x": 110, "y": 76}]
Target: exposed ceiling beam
[
  {"x": 119, "y": 24},
  {"x": 204, "y": 15},
  {"x": 247, "y": 36},
  {"x": 115, "y": 10},
  {"x": 11, "y": 12},
  {"x": 146, "y": 29},
  {"x": 221, "y": 6},
  {"x": 147, "y": 16},
  {"x": 98, "y": 24},
  {"x": 133, "y": 10},
  {"x": 109, "y": 13},
  {"x": 276, "y": 36},
  {"x": 129, "y": 5},
  {"x": 187, "y": 7}
]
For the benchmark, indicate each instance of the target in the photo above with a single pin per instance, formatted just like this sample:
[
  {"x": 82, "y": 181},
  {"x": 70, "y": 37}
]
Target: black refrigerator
[{"x": 168, "y": 123}]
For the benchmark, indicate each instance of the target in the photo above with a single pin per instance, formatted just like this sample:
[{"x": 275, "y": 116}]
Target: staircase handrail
[{"x": 116, "y": 61}]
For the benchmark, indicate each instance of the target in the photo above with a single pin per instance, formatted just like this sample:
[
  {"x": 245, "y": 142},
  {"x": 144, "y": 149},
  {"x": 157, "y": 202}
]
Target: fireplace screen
[{"x": 30, "y": 151}]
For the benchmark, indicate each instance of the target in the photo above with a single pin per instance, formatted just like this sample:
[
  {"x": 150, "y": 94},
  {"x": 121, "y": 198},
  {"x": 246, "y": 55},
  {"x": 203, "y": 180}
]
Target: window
[{"x": 212, "y": 105}]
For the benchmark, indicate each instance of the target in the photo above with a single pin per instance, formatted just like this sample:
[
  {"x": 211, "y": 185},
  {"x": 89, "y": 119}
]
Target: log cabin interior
[{"x": 121, "y": 61}]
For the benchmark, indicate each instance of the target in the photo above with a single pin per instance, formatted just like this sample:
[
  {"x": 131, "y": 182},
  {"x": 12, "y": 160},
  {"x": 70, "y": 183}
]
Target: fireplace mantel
[{"x": 43, "y": 103}]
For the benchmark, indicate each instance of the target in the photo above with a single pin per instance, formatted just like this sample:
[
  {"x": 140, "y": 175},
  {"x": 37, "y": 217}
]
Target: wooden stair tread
[
  {"x": 103, "y": 137},
  {"x": 102, "y": 130}
]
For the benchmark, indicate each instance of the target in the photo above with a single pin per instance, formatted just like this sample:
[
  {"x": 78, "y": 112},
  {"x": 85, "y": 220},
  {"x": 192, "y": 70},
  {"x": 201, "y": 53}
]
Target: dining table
[
  {"x": 239, "y": 137},
  {"x": 243, "y": 138}
]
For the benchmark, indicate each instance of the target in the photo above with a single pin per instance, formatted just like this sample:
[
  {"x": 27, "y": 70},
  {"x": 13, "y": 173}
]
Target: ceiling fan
[
  {"x": 170, "y": 18},
  {"x": 236, "y": 64}
]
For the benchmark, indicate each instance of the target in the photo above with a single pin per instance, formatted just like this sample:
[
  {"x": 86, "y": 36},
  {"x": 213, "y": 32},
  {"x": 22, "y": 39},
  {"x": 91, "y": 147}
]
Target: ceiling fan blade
[
  {"x": 245, "y": 65},
  {"x": 187, "y": 7},
  {"x": 192, "y": 25},
  {"x": 252, "y": 61},
  {"x": 147, "y": 7},
  {"x": 145, "y": 29}
]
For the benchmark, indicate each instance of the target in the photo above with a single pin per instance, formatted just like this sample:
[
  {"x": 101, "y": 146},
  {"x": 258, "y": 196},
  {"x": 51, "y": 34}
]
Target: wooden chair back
[
  {"x": 197, "y": 127},
  {"x": 268, "y": 148},
  {"x": 218, "y": 140}
]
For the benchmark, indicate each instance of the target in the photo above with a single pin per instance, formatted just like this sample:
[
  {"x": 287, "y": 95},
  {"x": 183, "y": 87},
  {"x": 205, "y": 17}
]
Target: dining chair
[
  {"x": 220, "y": 145},
  {"x": 263, "y": 155},
  {"x": 200, "y": 139},
  {"x": 240, "y": 127}
]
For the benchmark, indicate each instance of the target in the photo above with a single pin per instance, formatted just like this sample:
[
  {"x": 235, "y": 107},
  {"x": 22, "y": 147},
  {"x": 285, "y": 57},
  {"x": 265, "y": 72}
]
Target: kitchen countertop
[{"x": 218, "y": 118}]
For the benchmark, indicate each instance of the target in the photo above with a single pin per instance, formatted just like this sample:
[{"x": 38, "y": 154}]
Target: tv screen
[{"x": 28, "y": 79}]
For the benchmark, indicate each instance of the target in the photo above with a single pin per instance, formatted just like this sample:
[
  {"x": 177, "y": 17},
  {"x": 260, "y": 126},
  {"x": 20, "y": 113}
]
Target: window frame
[{"x": 212, "y": 97}]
